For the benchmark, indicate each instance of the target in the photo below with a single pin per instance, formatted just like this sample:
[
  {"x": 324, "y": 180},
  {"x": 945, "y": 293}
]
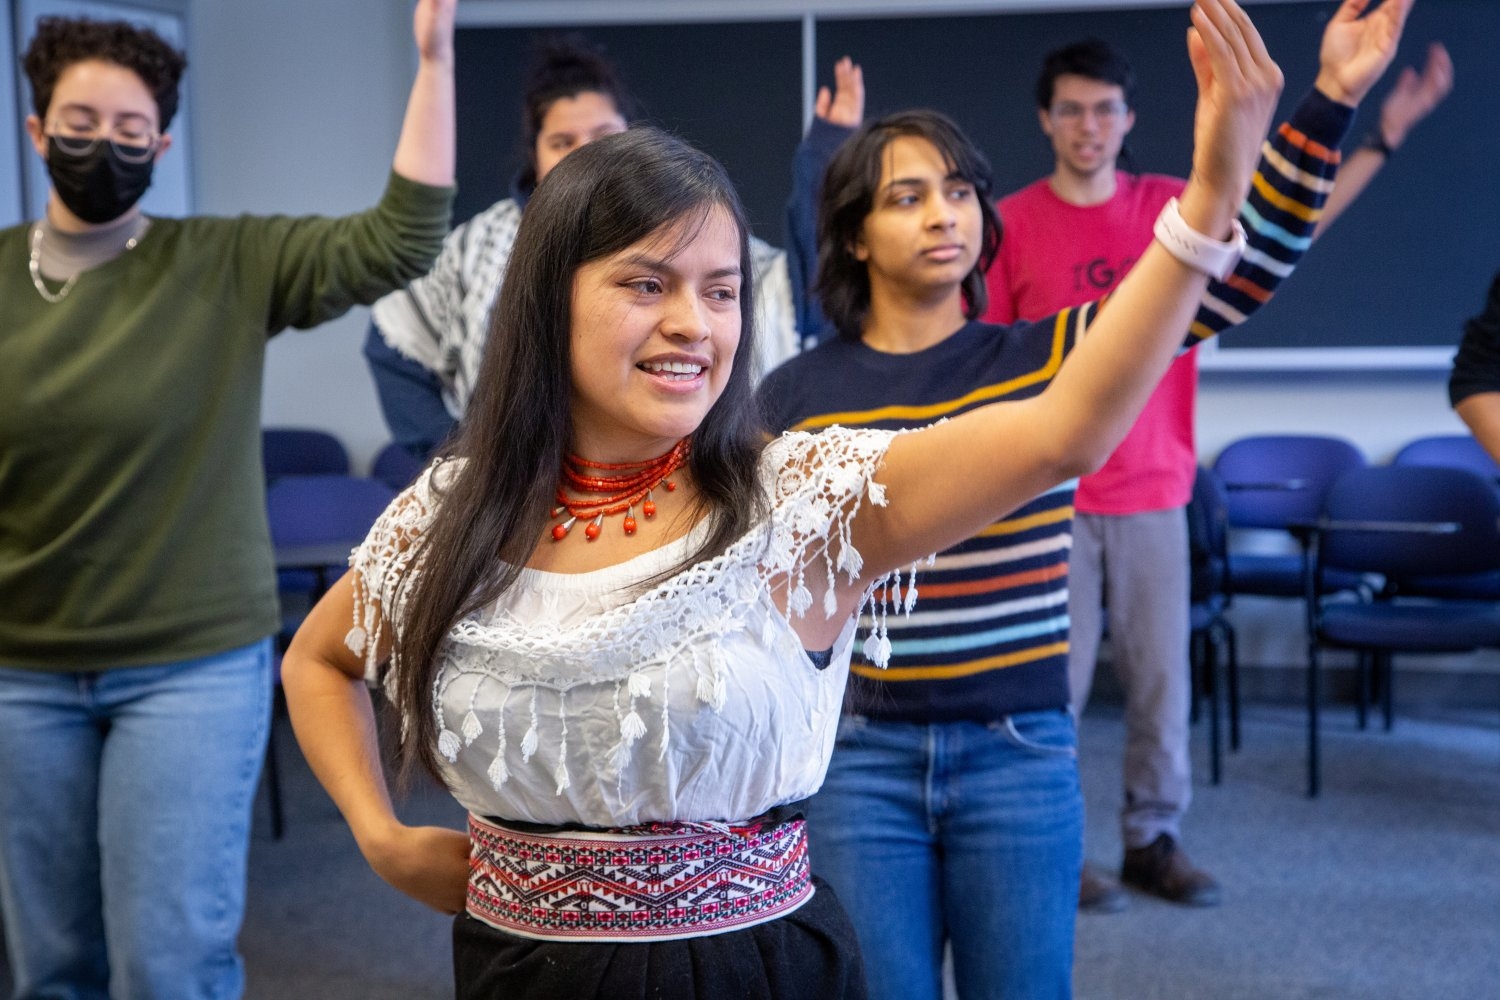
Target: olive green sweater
[{"x": 132, "y": 505}]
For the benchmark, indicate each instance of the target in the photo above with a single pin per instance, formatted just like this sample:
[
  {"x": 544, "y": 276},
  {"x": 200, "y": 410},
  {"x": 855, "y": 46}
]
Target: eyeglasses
[
  {"x": 1105, "y": 112},
  {"x": 131, "y": 139}
]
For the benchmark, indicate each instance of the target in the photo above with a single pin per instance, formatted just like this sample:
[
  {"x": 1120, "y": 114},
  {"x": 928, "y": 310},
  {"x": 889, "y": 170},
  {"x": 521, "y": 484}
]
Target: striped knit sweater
[{"x": 989, "y": 635}]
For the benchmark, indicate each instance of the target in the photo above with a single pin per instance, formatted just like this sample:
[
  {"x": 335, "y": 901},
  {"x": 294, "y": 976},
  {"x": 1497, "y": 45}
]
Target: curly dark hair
[{"x": 62, "y": 41}]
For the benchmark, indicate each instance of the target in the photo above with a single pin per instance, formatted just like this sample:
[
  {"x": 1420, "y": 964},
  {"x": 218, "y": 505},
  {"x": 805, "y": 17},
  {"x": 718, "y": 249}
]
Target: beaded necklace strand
[{"x": 599, "y": 496}]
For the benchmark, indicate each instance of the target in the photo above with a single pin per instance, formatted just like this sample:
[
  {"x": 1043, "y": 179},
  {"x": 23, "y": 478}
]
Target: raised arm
[
  {"x": 947, "y": 481},
  {"x": 1300, "y": 183},
  {"x": 1414, "y": 97},
  {"x": 425, "y": 150},
  {"x": 836, "y": 114},
  {"x": 311, "y": 269}
]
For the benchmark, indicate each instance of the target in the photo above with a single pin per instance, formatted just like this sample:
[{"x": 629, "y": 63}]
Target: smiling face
[
  {"x": 574, "y": 122},
  {"x": 925, "y": 228},
  {"x": 1087, "y": 122},
  {"x": 653, "y": 338}
]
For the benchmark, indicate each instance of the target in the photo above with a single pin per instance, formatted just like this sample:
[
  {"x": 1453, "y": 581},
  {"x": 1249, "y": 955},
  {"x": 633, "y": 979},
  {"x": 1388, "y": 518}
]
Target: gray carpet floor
[{"x": 1388, "y": 886}]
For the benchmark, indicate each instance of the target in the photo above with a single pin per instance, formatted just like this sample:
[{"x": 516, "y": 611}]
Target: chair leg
[
  {"x": 1313, "y": 777},
  {"x": 1387, "y": 689},
  {"x": 1195, "y": 679},
  {"x": 1362, "y": 688},
  {"x": 1234, "y": 687},
  {"x": 1211, "y": 682}
]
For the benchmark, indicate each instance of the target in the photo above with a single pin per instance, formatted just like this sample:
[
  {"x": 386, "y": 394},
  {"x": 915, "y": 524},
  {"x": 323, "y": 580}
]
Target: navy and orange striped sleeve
[{"x": 1298, "y": 165}]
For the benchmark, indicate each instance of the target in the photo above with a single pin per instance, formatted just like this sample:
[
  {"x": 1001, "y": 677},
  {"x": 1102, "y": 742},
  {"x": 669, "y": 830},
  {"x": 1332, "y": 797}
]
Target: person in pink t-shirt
[{"x": 1069, "y": 238}]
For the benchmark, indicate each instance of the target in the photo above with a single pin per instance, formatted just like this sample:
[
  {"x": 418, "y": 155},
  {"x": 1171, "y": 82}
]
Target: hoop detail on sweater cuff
[{"x": 1212, "y": 257}]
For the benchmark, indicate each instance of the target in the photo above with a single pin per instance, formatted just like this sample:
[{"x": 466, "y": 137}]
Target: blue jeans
[
  {"x": 125, "y": 801},
  {"x": 963, "y": 832}
]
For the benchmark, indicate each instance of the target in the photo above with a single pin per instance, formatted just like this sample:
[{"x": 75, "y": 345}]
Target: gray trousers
[{"x": 1139, "y": 563}]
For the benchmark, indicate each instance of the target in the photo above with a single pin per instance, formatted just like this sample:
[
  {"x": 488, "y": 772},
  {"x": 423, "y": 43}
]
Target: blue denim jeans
[
  {"x": 963, "y": 832},
  {"x": 125, "y": 800}
]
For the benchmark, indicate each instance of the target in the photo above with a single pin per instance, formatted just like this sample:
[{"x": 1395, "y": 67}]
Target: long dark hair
[
  {"x": 565, "y": 66},
  {"x": 849, "y": 189},
  {"x": 598, "y": 201}
]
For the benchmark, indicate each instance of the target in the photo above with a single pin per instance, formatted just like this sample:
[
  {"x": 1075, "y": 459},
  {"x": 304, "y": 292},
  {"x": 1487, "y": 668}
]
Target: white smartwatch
[{"x": 1212, "y": 257}]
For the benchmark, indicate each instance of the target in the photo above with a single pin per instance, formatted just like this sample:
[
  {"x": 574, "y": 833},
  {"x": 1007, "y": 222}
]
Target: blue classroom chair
[
  {"x": 1402, "y": 523},
  {"x": 1277, "y": 482}
]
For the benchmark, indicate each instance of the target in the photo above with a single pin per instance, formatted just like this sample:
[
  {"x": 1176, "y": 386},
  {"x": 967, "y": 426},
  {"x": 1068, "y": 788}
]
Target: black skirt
[{"x": 809, "y": 954}]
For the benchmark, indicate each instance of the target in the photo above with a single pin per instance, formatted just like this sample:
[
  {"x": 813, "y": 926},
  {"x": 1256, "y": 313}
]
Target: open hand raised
[
  {"x": 432, "y": 25},
  {"x": 1415, "y": 95},
  {"x": 846, "y": 104},
  {"x": 1238, "y": 85},
  {"x": 1358, "y": 46}
]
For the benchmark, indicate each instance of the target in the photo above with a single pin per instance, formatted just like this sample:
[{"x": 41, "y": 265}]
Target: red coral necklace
[{"x": 598, "y": 496}]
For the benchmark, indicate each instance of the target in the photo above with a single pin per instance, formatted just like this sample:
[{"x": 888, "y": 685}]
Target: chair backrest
[
  {"x": 1460, "y": 509},
  {"x": 1449, "y": 451},
  {"x": 396, "y": 467},
  {"x": 309, "y": 510},
  {"x": 1208, "y": 536},
  {"x": 298, "y": 451},
  {"x": 1274, "y": 480}
]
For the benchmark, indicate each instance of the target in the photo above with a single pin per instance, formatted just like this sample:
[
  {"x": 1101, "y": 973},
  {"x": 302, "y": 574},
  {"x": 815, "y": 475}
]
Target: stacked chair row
[{"x": 1402, "y": 558}]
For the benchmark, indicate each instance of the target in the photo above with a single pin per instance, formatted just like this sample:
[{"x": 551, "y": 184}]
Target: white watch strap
[{"x": 1213, "y": 257}]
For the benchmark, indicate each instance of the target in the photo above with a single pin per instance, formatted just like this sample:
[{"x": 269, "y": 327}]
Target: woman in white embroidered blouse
[{"x": 626, "y": 707}]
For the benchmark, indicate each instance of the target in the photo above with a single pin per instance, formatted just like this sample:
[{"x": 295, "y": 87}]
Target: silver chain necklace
[{"x": 34, "y": 265}]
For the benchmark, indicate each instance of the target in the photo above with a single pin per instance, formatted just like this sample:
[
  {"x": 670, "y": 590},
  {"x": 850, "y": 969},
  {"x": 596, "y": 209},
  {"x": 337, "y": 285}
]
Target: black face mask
[{"x": 98, "y": 186}]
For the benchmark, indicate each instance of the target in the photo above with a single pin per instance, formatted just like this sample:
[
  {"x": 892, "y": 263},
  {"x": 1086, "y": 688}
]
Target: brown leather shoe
[
  {"x": 1099, "y": 892},
  {"x": 1162, "y": 868}
]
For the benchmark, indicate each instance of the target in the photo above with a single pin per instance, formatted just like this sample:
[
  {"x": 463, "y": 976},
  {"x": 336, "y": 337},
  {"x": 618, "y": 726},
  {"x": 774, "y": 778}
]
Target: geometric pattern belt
[{"x": 657, "y": 881}]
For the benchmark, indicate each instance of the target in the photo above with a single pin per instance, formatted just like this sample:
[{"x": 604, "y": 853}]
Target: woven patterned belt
[{"x": 653, "y": 882}]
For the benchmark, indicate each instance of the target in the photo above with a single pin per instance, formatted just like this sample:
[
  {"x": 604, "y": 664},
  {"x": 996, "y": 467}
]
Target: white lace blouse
[{"x": 582, "y": 698}]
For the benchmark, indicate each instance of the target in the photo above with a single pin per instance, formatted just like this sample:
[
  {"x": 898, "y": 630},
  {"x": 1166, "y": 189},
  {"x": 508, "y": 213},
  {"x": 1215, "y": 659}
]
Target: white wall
[{"x": 1379, "y": 411}]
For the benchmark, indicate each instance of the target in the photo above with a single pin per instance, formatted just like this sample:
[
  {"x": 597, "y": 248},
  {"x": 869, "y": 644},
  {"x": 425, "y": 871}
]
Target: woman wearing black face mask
[
  {"x": 100, "y": 181},
  {"x": 136, "y": 586}
]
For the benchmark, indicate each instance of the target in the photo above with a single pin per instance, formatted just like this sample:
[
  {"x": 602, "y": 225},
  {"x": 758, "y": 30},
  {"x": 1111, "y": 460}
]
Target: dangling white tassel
[
  {"x": 633, "y": 727},
  {"x": 498, "y": 772},
  {"x": 800, "y": 599},
  {"x": 563, "y": 782},
  {"x": 449, "y": 745},
  {"x": 356, "y": 640},
  {"x": 528, "y": 744},
  {"x": 639, "y": 685},
  {"x": 471, "y": 728},
  {"x": 706, "y": 689}
]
